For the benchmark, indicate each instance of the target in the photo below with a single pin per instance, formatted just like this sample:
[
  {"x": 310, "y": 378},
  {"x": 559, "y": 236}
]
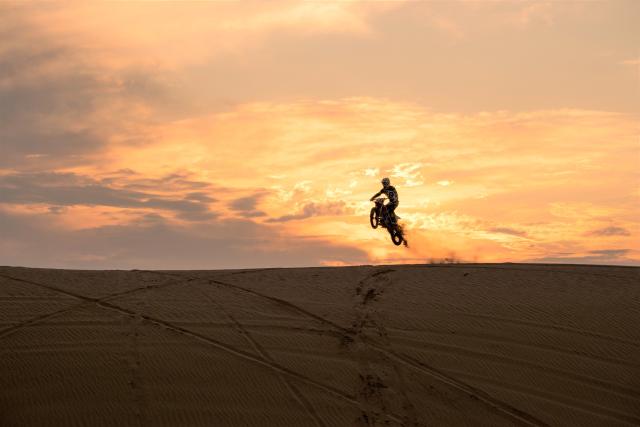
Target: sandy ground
[{"x": 424, "y": 345}]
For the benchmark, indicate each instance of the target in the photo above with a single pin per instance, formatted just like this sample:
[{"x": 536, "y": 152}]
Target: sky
[{"x": 184, "y": 135}]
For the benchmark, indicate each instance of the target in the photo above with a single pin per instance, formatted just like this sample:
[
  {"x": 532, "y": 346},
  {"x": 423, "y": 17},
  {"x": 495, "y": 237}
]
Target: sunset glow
[{"x": 225, "y": 135}]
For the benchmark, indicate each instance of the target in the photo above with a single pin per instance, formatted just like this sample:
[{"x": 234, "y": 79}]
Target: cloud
[
  {"x": 70, "y": 189},
  {"x": 609, "y": 231},
  {"x": 610, "y": 252},
  {"x": 62, "y": 100},
  {"x": 315, "y": 209},
  {"x": 409, "y": 172},
  {"x": 156, "y": 243},
  {"x": 47, "y": 116},
  {"x": 493, "y": 158},
  {"x": 507, "y": 230},
  {"x": 57, "y": 209},
  {"x": 246, "y": 206},
  {"x": 163, "y": 37},
  {"x": 174, "y": 181},
  {"x": 200, "y": 197},
  {"x": 602, "y": 256}
]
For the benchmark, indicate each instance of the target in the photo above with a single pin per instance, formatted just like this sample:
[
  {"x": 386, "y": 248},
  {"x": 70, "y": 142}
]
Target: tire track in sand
[
  {"x": 603, "y": 385},
  {"x": 165, "y": 325},
  {"x": 86, "y": 301},
  {"x": 567, "y": 329},
  {"x": 555, "y": 398},
  {"x": 293, "y": 390},
  {"x": 136, "y": 382},
  {"x": 380, "y": 390},
  {"x": 499, "y": 406},
  {"x": 492, "y": 338}
]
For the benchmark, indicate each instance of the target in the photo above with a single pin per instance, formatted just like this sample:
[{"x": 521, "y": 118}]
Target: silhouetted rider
[{"x": 391, "y": 193}]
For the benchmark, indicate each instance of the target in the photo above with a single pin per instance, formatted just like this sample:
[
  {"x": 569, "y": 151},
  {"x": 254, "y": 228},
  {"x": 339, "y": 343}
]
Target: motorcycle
[{"x": 380, "y": 217}]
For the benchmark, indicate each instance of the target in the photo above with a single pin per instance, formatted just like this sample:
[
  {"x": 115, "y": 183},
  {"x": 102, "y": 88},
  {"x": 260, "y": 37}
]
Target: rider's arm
[{"x": 376, "y": 195}]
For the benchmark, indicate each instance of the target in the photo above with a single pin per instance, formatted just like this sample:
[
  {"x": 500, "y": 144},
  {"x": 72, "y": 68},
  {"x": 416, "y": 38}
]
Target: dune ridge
[{"x": 400, "y": 345}]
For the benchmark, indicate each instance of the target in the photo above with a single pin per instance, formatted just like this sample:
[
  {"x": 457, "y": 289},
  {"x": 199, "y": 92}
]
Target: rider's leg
[{"x": 390, "y": 210}]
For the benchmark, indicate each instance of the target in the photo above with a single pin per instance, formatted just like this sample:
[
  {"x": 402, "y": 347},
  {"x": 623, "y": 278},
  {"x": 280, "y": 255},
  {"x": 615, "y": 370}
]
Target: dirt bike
[{"x": 380, "y": 217}]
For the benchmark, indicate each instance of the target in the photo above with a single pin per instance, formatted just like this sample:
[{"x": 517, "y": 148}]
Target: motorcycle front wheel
[{"x": 373, "y": 218}]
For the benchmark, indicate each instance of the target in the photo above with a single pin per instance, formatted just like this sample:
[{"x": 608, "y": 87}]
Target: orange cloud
[
  {"x": 319, "y": 153},
  {"x": 523, "y": 181},
  {"x": 171, "y": 35}
]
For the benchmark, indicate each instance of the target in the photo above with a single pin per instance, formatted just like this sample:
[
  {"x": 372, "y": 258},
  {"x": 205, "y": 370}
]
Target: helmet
[{"x": 386, "y": 181}]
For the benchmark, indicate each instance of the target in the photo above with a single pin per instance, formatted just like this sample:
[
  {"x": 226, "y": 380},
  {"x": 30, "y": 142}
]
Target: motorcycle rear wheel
[
  {"x": 373, "y": 219},
  {"x": 396, "y": 237}
]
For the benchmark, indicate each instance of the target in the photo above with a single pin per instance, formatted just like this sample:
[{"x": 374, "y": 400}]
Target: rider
[{"x": 389, "y": 191}]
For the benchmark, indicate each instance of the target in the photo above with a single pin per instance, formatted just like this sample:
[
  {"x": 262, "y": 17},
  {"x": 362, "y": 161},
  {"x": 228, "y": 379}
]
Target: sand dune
[{"x": 465, "y": 344}]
